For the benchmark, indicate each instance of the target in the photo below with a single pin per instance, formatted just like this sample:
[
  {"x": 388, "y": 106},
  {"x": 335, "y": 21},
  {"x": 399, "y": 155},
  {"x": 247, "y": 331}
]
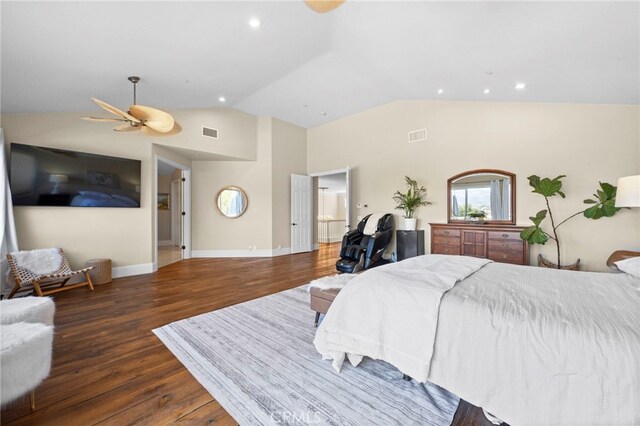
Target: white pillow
[{"x": 630, "y": 266}]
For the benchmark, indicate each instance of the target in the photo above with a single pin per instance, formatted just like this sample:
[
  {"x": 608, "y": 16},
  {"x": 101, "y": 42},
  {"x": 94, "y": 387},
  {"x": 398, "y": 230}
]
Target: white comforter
[
  {"x": 530, "y": 345},
  {"x": 391, "y": 313},
  {"x": 537, "y": 346}
]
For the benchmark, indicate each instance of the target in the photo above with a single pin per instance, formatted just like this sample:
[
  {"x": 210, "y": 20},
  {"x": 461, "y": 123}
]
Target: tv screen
[{"x": 55, "y": 177}]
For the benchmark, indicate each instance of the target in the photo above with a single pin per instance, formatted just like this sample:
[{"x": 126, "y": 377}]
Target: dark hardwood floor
[{"x": 110, "y": 369}]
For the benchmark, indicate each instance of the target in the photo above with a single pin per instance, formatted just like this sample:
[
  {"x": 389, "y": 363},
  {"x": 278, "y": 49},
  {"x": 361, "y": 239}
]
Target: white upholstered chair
[{"x": 26, "y": 337}]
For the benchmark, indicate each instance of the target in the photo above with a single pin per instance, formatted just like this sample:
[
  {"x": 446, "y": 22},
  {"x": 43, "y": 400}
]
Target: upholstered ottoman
[
  {"x": 27, "y": 309},
  {"x": 25, "y": 356},
  {"x": 321, "y": 300}
]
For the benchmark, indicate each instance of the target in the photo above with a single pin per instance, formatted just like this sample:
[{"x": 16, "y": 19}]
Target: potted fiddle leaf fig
[
  {"x": 410, "y": 201},
  {"x": 602, "y": 205}
]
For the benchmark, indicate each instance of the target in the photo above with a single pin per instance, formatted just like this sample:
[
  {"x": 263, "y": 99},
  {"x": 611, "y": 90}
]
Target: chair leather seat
[{"x": 362, "y": 251}]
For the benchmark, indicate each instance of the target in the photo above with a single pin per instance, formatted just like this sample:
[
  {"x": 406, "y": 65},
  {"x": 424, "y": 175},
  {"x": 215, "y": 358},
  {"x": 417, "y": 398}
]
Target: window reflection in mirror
[
  {"x": 232, "y": 201},
  {"x": 481, "y": 197}
]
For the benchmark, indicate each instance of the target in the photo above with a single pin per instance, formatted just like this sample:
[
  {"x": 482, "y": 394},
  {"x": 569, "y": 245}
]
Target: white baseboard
[
  {"x": 129, "y": 270},
  {"x": 166, "y": 243},
  {"x": 282, "y": 251},
  {"x": 242, "y": 253}
]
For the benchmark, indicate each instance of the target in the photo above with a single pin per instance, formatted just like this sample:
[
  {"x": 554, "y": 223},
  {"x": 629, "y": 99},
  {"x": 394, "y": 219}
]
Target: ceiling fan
[
  {"x": 151, "y": 121},
  {"x": 323, "y": 6}
]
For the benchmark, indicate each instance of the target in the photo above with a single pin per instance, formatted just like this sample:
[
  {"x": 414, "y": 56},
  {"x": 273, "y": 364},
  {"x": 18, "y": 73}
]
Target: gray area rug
[{"x": 258, "y": 360}]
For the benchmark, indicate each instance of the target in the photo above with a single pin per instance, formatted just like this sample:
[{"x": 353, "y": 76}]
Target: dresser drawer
[
  {"x": 507, "y": 257},
  {"x": 506, "y": 235},
  {"x": 447, "y": 241},
  {"x": 506, "y": 245},
  {"x": 445, "y": 232},
  {"x": 438, "y": 249}
]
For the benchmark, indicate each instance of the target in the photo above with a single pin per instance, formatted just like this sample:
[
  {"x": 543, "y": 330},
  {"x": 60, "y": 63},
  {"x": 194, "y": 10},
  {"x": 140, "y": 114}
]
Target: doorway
[
  {"x": 172, "y": 212},
  {"x": 332, "y": 205}
]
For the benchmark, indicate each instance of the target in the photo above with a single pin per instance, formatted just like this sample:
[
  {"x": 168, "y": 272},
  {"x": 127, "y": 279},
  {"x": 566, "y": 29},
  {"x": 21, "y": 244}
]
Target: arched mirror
[
  {"x": 232, "y": 201},
  {"x": 482, "y": 196}
]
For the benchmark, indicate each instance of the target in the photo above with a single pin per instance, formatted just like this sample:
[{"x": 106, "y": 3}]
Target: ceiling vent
[
  {"x": 210, "y": 132},
  {"x": 418, "y": 135}
]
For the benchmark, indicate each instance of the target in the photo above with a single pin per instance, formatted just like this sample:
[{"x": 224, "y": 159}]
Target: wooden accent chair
[
  {"x": 620, "y": 255},
  {"x": 25, "y": 279}
]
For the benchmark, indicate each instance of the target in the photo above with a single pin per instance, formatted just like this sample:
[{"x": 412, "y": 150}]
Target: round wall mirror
[
  {"x": 232, "y": 201},
  {"x": 482, "y": 196}
]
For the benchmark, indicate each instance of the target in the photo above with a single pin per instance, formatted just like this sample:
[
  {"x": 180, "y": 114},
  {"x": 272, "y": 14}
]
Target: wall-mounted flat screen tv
[{"x": 56, "y": 177}]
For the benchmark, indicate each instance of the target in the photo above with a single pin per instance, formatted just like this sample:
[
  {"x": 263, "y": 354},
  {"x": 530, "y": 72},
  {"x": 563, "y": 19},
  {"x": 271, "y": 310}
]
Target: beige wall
[
  {"x": 289, "y": 147},
  {"x": 281, "y": 150},
  {"x": 588, "y": 143},
  {"x": 236, "y": 137},
  {"x": 124, "y": 235},
  {"x": 212, "y": 230}
]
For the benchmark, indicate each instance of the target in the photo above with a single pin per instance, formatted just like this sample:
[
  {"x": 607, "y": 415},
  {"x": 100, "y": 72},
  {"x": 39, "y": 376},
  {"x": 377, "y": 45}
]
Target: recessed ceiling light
[
  {"x": 487, "y": 91},
  {"x": 222, "y": 99},
  {"x": 254, "y": 22},
  {"x": 440, "y": 91},
  {"x": 520, "y": 86},
  {"x": 323, "y": 113}
]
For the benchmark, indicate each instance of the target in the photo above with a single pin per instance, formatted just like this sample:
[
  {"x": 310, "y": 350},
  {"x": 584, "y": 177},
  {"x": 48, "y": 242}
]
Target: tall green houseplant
[{"x": 602, "y": 205}]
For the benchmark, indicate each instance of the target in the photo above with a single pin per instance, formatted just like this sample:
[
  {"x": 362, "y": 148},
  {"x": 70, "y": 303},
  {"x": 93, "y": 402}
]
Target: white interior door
[
  {"x": 301, "y": 213},
  {"x": 176, "y": 213}
]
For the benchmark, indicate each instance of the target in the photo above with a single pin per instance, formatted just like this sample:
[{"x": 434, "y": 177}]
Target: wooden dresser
[{"x": 500, "y": 243}]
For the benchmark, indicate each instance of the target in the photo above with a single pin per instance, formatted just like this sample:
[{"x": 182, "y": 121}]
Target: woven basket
[
  {"x": 101, "y": 273},
  {"x": 548, "y": 264}
]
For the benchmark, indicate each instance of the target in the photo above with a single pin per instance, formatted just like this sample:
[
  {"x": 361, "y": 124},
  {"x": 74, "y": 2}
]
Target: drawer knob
[
  {"x": 505, "y": 235},
  {"x": 504, "y": 256},
  {"x": 446, "y": 232},
  {"x": 446, "y": 241}
]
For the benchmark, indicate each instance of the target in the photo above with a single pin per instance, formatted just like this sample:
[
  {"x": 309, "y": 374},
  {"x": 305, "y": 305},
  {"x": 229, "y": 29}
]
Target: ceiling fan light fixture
[
  {"x": 323, "y": 6},
  {"x": 150, "y": 121}
]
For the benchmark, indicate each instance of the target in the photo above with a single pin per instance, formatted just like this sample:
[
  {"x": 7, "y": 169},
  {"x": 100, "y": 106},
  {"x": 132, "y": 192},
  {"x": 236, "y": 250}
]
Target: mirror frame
[
  {"x": 237, "y": 188},
  {"x": 511, "y": 176}
]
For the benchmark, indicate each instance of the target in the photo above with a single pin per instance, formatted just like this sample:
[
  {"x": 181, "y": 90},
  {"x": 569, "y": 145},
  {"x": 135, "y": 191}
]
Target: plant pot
[
  {"x": 410, "y": 224},
  {"x": 548, "y": 264}
]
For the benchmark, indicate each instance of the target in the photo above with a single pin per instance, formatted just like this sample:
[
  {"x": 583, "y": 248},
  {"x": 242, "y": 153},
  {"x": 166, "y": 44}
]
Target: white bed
[{"x": 529, "y": 345}]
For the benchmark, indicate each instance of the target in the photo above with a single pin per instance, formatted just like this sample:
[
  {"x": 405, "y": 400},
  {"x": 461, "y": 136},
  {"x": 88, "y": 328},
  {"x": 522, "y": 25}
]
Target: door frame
[
  {"x": 347, "y": 171},
  {"x": 176, "y": 201},
  {"x": 186, "y": 207}
]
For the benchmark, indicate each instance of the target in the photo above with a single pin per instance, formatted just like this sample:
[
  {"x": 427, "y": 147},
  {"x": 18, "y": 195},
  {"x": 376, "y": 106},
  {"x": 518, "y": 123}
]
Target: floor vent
[
  {"x": 210, "y": 132},
  {"x": 418, "y": 135}
]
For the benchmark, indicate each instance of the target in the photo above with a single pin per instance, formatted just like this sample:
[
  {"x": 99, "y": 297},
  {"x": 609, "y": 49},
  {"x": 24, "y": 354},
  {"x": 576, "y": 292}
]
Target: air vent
[
  {"x": 210, "y": 132},
  {"x": 418, "y": 135}
]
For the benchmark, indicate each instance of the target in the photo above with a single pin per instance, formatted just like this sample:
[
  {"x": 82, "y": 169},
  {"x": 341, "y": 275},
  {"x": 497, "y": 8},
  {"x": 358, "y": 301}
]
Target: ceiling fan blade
[
  {"x": 150, "y": 132},
  {"x": 114, "y": 110},
  {"x": 126, "y": 128},
  {"x": 323, "y": 6},
  {"x": 103, "y": 119},
  {"x": 157, "y": 120}
]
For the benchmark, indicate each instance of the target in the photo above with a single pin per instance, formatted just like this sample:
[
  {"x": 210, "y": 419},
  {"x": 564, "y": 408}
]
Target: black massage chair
[{"x": 361, "y": 251}]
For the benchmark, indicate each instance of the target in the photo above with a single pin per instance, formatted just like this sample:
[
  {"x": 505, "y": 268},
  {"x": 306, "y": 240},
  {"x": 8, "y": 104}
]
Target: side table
[
  {"x": 101, "y": 272},
  {"x": 409, "y": 244}
]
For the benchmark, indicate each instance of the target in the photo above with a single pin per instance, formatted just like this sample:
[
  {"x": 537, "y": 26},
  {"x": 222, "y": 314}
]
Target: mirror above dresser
[
  {"x": 481, "y": 217},
  {"x": 483, "y": 195}
]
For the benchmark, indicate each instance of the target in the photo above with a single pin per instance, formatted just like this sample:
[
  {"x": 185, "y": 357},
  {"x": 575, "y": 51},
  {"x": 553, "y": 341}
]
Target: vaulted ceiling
[{"x": 309, "y": 69}]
